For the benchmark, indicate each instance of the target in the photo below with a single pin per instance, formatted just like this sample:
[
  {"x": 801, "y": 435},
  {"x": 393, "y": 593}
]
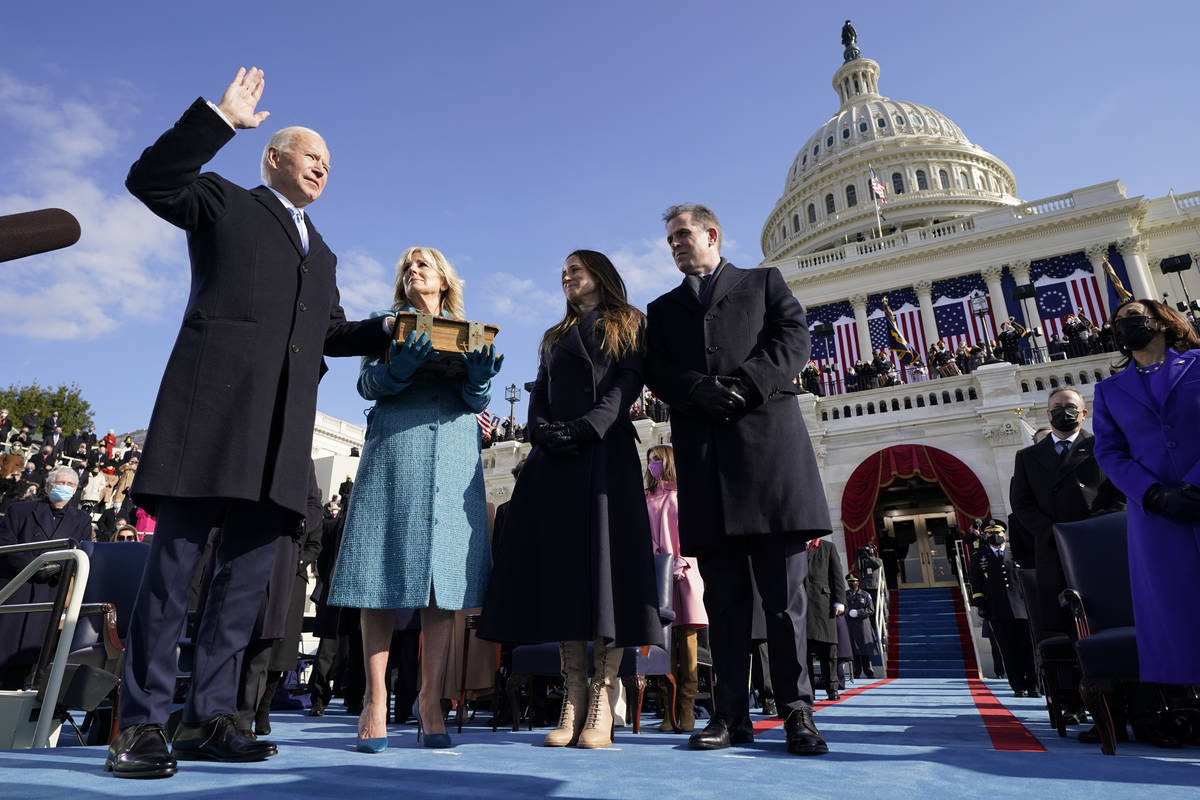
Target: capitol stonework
[{"x": 953, "y": 225}]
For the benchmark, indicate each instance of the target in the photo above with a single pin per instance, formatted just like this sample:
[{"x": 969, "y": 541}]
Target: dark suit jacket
[
  {"x": 756, "y": 474},
  {"x": 824, "y": 586},
  {"x": 1046, "y": 489},
  {"x": 994, "y": 584},
  {"x": 235, "y": 410}
]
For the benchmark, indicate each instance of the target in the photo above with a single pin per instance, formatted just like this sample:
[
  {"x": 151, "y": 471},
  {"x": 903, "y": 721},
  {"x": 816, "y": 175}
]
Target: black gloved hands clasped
[
  {"x": 719, "y": 397},
  {"x": 1178, "y": 502}
]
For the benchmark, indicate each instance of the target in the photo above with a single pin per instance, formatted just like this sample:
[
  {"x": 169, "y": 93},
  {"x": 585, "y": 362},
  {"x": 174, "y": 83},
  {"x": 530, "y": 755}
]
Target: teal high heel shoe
[
  {"x": 439, "y": 740},
  {"x": 372, "y": 745}
]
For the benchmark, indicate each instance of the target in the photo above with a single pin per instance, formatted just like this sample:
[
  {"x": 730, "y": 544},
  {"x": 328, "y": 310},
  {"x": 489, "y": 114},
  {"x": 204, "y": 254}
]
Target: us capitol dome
[{"x": 930, "y": 170}]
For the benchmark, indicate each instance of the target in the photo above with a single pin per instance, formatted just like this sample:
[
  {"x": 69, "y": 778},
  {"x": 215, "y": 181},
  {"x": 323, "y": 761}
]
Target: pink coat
[{"x": 663, "y": 508}]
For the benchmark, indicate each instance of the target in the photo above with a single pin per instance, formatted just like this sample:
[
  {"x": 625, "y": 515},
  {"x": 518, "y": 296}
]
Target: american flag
[
  {"x": 486, "y": 420},
  {"x": 956, "y": 324},
  {"x": 877, "y": 187},
  {"x": 841, "y": 349},
  {"x": 908, "y": 323},
  {"x": 1066, "y": 285}
]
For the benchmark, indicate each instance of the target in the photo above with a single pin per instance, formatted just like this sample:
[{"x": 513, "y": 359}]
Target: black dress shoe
[
  {"x": 317, "y": 709},
  {"x": 833, "y": 694},
  {"x": 1033, "y": 692},
  {"x": 218, "y": 740},
  {"x": 720, "y": 732},
  {"x": 768, "y": 707},
  {"x": 803, "y": 738},
  {"x": 1092, "y": 734},
  {"x": 140, "y": 751}
]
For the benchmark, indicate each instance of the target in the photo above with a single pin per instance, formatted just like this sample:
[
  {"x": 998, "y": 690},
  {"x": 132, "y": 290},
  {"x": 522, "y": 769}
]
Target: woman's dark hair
[
  {"x": 620, "y": 325},
  {"x": 1178, "y": 332}
]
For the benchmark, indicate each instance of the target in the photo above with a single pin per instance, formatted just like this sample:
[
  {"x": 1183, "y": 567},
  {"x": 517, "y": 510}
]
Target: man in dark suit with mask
[
  {"x": 1057, "y": 480},
  {"x": 262, "y": 310},
  {"x": 723, "y": 349}
]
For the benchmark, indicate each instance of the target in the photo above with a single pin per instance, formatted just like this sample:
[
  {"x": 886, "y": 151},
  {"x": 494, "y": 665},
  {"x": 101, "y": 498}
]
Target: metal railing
[{"x": 961, "y": 562}]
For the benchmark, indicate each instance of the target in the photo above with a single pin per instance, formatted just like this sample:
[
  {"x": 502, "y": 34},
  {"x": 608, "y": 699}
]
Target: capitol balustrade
[
  {"x": 1188, "y": 202},
  {"x": 962, "y": 394}
]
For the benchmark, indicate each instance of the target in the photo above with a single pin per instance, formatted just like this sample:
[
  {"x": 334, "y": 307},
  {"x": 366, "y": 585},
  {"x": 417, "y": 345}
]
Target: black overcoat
[
  {"x": 757, "y": 473},
  {"x": 825, "y": 587},
  {"x": 994, "y": 584},
  {"x": 1046, "y": 489},
  {"x": 576, "y": 561},
  {"x": 235, "y": 410},
  {"x": 31, "y": 521},
  {"x": 862, "y": 632}
]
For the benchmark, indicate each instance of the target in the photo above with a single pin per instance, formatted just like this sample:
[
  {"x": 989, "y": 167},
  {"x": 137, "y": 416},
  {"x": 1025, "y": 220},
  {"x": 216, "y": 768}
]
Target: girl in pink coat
[{"x": 662, "y": 504}]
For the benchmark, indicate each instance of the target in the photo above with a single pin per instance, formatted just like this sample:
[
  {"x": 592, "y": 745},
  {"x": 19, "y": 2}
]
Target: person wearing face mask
[
  {"x": 32, "y": 521},
  {"x": 995, "y": 594},
  {"x": 1057, "y": 480},
  {"x": 1145, "y": 423},
  {"x": 662, "y": 505}
]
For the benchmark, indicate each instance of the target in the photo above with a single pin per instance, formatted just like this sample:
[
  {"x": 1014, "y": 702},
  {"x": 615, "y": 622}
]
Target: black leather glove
[
  {"x": 983, "y": 611},
  {"x": 47, "y": 573},
  {"x": 555, "y": 438},
  {"x": 1179, "y": 502},
  {"x": 716, "y": 399},
  {"x": 579, "y": 431}
]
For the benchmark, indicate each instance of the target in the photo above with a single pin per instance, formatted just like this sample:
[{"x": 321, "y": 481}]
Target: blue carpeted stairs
[{"x": 925, "y": 635}]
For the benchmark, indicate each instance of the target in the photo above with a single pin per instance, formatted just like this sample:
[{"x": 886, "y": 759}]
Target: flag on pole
[
  {"x": 1123, "y": 294},
  {"x": 485, "y": 420},
  {"x": 896, "y": 341},
  {"x": 877, "y": 187}
]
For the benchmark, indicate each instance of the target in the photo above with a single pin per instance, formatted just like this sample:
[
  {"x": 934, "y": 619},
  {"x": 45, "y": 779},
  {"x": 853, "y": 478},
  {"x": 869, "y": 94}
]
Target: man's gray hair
[
  {"x": 1060, "y": 389},
  {"x": 702, "y": 215},
  {"x": 282, "y": 140},
  {"x": 55, "y": 473}
]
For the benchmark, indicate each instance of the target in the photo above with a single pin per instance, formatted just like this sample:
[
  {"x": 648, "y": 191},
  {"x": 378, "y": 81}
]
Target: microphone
[{"x": 35, "y": 232}]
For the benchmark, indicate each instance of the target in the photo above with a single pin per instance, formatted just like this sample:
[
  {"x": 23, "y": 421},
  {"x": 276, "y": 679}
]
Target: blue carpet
[
  {"x": 926, "y": 635},
  {"x": 899, "y": 738}
]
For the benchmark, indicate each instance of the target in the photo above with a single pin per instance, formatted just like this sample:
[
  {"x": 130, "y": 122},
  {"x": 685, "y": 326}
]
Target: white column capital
[
  {"x": 858, "y": 301},
  {"x": 923, "y": 287},
  {"x": 1096, "y": 253},
  {"x": 992, "y": 272},
  {"x": 1130, "y": 245}
]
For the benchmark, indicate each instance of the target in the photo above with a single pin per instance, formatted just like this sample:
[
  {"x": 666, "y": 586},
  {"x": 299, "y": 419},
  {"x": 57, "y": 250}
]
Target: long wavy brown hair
[
  {"x": 1176, "y": 329},
  {"x": 666, "y": 454},
  {"x": 620, "y": 325}
]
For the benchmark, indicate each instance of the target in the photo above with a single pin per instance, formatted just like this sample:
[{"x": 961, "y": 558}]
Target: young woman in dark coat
[{"x": 576, "y": 564}]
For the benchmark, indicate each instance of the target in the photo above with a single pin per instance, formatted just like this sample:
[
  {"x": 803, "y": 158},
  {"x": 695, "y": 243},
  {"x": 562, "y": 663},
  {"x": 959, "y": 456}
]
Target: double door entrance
[{"x": 922, "y": 543}]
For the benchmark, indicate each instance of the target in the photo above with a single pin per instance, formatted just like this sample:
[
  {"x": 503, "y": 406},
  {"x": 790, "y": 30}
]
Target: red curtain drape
[{"x": 902, "y": 462}]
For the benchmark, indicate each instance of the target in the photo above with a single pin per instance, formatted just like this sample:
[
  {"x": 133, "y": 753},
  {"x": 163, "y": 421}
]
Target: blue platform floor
[{"x": 901, "y": 738}]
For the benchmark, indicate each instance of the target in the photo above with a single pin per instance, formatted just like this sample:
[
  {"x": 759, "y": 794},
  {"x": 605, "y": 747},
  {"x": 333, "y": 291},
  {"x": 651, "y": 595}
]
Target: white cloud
[
  {"x": 647, "y": 269},
  {"x": 365, "y": 284},
  {"x": 127, "y": 262},
  {"x": 522, "y": 302}
]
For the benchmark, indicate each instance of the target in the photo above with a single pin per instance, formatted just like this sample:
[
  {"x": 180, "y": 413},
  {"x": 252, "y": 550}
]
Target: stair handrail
[
  {"x": 881, "y": 618},
  {"x": 961, "y": 572}
]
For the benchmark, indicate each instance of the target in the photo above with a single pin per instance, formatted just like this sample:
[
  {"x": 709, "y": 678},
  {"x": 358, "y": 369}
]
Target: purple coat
[{"x": 1143, "y": 438}]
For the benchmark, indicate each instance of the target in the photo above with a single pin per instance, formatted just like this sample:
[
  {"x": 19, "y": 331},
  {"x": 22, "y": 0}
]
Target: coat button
[
  {"x": 709, "y": 317},
  {"x": 712, "y": 348},
  {"x": 1166, "y": 428},
  {"x": 302, "y": 306},
  {"x": 295, "y": 348},
  {"x": 304, "y": 267},
  {"x": 1171, "y": 444},
  {"x": 433, "y": 427}
]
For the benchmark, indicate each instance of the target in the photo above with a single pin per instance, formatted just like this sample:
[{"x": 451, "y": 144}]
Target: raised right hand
[
  {"x": 241, "y": 98},
  {"x": 404, "y": 359}
]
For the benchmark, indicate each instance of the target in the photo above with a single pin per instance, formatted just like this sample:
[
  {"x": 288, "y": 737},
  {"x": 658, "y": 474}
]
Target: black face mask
[
  {"x": 996, "y": 539},
  {"x": 1134, "y": 333},
  {"x": 1064, "y": 419}
]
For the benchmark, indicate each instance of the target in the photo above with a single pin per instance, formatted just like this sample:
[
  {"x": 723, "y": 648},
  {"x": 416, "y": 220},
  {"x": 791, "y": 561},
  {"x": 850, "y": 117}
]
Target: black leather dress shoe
[
  {"x": 317, "y": 709},
  {"x": 140, "y": 751},
  {"x": 803, "y": 738},
  {"x": 218, "y": 740},
  {"x": 721, "y": 732}
]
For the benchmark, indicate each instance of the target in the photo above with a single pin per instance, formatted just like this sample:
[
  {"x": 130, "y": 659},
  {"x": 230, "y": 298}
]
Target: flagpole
[{"x": 875, "y": 199}]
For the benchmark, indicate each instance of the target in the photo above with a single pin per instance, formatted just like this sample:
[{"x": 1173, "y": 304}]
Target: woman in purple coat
[{"x": 1144, "y": 421}]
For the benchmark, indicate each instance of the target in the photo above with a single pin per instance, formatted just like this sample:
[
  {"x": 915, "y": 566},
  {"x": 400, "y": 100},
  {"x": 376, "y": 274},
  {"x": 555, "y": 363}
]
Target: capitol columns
[
  {"x": 858, "y": 302},
  {"x": 1133, "y": 252},
  {"x": 1095, "y": 255},
  {"x": 991, "y": 278},
  {"x": 1020, "y": 273},
  {"x": 924, "y": 289}
]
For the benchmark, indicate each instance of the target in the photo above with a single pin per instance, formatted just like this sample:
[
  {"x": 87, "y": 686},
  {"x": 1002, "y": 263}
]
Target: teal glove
[
  {"x": 482, "y": 365},
  {"x": 404, "y": 359}
]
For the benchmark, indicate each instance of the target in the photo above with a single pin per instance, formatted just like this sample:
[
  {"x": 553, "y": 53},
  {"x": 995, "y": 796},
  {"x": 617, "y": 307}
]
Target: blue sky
[{"x": 509, "y": 134}]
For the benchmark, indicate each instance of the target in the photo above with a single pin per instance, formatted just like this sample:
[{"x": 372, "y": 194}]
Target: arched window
[
  {"x": 812, "y": 213},
  {"x": 862, "y": 126},
  {"x": 962, "y": 181},
  {"x": 829, "y": 203},
  {"x": 851, "y": 196},
  {"x": 796, "y": 222},
  {"x": 897, "y": 183},
  {"x": 922, "y": 184},
  {"x": 829, "y": 141},
  {"x": 944, "y": 178}
]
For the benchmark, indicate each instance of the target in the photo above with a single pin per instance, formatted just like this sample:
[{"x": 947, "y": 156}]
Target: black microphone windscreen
[{"x": 36, "y": 232}]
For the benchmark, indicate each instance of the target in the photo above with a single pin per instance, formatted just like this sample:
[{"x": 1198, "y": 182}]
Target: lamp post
[
  {"x": 981, "y": 309},
  {"x": 512, "y": 393}
]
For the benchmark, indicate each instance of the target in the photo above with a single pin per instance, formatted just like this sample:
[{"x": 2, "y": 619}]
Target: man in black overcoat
[
  {"x": 1058, "y": 480},
  {"x": 826, "y": 591},
  {"x": 25, "y": 522},
  {"x": 723, "y": 349},
  {"x": 994, "y": 592},
  {"x": 230, "y": 435}
]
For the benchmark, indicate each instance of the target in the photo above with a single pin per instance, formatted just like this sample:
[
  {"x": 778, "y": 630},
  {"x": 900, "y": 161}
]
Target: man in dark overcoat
[
  {"x": 723, "y": 349},
  {"x": 994, "y": 592},
  {"x": 230, "y": 435},
  {"x": 826, "y": 601},
  {"x": 1058, "y": 480},
  {"x": 25, "y": 522},
  {"x": 860, "y": 610}
]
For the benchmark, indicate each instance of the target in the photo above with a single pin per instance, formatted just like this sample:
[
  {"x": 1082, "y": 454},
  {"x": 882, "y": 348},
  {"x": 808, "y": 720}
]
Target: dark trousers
[
  {"x": 256, "y": 660},
  {"x": 780, "y": 565},
  {"x": 760, "y": 671},
  {"x": 325, "y": 666},
  {"x": 825, "y": 654},
  {"x": 243, "y": 564},
  {"x": 1012, "y": 636}
]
